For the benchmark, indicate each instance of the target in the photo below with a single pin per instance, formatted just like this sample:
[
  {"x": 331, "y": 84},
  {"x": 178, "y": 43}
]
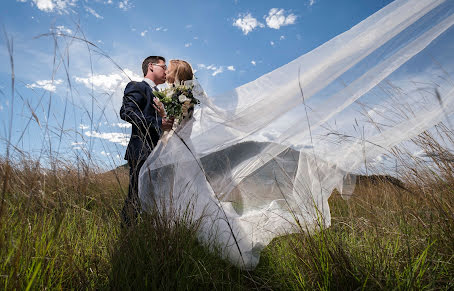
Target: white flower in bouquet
[
  {"x": 170, "y": 91},
  {"x": 182, "y": 98}
]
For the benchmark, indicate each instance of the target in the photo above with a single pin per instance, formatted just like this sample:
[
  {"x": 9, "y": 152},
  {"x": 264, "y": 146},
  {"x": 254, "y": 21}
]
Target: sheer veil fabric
[{"x": 265, "y": 162}]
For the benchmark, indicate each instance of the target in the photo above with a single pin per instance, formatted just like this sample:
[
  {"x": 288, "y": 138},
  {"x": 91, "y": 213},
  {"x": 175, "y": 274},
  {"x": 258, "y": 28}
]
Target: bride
[{"x": 265, "y": 162}]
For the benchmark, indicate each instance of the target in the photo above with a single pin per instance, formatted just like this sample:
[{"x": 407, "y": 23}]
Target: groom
[{"x": 147, "y": 117}]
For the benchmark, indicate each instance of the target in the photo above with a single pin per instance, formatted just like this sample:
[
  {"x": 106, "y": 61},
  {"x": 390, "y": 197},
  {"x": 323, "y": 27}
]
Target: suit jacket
[{"x": 137, "y": 109}]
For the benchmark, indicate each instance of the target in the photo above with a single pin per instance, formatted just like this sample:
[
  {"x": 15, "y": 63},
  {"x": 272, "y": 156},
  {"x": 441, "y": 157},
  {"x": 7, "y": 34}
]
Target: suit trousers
[{"x": 131, "y": 208}]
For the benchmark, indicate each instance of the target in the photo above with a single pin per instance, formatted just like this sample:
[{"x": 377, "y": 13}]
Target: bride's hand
[{"x": 159, "y": 107}]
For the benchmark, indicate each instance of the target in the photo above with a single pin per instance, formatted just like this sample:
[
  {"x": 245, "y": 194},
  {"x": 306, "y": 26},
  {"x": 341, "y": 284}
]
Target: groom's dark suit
[{"x": 137, "y": 109}]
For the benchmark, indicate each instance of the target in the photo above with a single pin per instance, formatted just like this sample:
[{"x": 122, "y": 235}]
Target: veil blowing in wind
[{"x": 265, "y": 163}]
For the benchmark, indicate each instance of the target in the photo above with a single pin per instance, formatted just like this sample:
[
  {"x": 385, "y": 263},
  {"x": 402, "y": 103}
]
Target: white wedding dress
[{"x": 265, "y": 162}]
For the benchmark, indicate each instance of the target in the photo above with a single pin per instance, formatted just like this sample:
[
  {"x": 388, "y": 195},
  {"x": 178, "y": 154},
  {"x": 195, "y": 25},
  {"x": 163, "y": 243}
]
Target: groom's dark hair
[{"x": 148, "y": 60}]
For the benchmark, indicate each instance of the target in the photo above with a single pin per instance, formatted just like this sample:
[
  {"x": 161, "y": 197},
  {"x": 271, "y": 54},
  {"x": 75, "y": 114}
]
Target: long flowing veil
[{"x": 265, "y": 162}]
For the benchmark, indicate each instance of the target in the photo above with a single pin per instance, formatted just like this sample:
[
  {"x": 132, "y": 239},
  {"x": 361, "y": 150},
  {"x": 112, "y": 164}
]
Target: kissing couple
[
  {"x": 149, "y": 119},
  {"x": 264, "y": 159}
]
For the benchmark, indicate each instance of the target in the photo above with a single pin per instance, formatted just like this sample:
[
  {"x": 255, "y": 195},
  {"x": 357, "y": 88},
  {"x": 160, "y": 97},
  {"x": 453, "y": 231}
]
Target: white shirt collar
[{"x": 149, "y": 82}]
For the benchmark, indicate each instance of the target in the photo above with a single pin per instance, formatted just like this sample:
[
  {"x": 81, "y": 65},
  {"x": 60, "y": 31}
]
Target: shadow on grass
[{"x": 153, "y": 255}]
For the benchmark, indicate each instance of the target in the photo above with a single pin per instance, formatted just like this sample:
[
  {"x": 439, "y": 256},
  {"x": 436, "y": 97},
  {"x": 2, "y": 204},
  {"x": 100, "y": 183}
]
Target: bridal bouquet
[{"x": 179, "y": 99}]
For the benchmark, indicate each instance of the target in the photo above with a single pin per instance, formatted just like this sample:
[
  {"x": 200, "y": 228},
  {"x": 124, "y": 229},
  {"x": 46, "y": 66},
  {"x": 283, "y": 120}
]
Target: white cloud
[
  {"x": 122, "y": 125},
  {"x": 188, "y": 26},
  {"x": 143, "y": 32},
  {"x": 48, "y": 85},
  {"x": 196, "y": 37},
  {"x": 115, "y": 137},
  {"x": 311, "y": 2},
  {"x": 79, "y": 146},
  {"x": 60, "y": 6},
  {"x": 253, "y": 63},
  {"x": 247, "y": 23},
  {"x": 83, "y": 126},
  {"x": 104, "y": 82},
  {"x": 124, "y": 5},
  {"x": 216, "y": 70},
  {"x": 282, "y": 37},
  {"x": 158, "y": 28},
  {"x": 93, "y": 12},
  {"x": 272, "y": 43},
  {"x": 265, "y": 136},
  {"x": 60, "y": 29},
  {"x": 187, "y": 44},
  {"x": 105, "y": 154},
  {"x": 108, "y": 83},
  {"x": 379, "y": 160},
  {"x": 276, "y": 18},
  {"x": 231, "y": 68},
  {"x": 1, "y": 107},
  {"x": 78, "y": 143}
]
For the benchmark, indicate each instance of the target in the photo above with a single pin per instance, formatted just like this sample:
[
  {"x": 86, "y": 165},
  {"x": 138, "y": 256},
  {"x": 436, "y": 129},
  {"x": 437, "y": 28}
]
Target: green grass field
[{"x": 60, "y": 229}]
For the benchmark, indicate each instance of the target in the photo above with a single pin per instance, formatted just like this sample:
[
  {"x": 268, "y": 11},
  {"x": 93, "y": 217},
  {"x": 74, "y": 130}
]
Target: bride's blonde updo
[{"x": 179, "y": 70}]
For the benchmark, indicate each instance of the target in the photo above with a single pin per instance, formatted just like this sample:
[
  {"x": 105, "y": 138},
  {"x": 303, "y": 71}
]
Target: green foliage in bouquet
[{"x": 176, "y": 99}]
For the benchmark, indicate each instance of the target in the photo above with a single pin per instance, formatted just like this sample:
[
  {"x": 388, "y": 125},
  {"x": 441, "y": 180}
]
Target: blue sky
[{"x": 229, "y": 43}]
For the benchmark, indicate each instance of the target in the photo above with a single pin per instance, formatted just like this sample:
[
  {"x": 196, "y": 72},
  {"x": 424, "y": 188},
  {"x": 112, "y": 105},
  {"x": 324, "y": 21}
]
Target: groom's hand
[
  {"x": 159, "y": 107},
  {"x": 167, "y": 123}
]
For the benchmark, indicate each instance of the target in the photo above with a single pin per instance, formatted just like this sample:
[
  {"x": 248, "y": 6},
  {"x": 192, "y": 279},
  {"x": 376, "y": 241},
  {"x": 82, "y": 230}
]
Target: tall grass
[
  {"x": 57, "y": 227},
  {"x": 60, "y": 229},
  {"x": 386, "y": 236}
]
